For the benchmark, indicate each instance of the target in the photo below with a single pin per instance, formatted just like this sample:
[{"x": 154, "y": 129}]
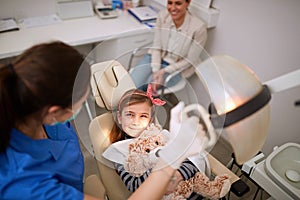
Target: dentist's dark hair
[{"x": 42, "y": 76}]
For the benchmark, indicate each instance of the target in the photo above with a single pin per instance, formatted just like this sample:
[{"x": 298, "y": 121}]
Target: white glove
[{"x": 187, "y": 138}]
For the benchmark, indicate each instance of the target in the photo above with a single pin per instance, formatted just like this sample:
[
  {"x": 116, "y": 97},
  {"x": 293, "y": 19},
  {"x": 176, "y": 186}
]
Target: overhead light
[{"x": 239, "y": 104}]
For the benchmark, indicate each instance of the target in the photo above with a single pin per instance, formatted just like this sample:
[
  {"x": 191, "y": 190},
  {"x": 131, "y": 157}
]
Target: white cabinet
[{"x": 120, "y": 48}]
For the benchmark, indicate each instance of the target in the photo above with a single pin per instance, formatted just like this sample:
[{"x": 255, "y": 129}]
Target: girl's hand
[{"x": 157, "y": 79}]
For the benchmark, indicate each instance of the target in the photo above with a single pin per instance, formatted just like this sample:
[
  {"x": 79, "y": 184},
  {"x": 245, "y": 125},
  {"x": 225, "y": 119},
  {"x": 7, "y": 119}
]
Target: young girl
[{"x": 135, "y": 112}]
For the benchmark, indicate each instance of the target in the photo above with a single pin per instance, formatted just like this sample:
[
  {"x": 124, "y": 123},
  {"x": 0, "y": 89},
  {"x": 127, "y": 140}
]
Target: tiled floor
[{"x": 222, "y": 151}]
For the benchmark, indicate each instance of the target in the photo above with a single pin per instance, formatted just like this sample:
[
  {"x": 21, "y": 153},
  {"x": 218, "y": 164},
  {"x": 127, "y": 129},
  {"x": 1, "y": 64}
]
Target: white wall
[
  {"x": 26, "y": 8},
  {"x": 265, "y": 35}
]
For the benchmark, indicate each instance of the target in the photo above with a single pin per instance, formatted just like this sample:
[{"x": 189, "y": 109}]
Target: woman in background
[{"x": 178, "y": 41}]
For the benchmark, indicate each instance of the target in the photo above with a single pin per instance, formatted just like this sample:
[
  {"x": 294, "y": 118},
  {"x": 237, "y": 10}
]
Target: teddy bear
[{"x": 142, "y": 157}]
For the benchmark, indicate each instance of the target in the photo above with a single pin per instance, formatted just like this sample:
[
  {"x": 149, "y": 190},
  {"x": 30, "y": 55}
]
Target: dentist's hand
[{"x": 187, "y": 138}]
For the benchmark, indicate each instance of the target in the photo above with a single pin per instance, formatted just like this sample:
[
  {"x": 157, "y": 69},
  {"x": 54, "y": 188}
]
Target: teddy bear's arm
[{"x": 130, "y": 181}]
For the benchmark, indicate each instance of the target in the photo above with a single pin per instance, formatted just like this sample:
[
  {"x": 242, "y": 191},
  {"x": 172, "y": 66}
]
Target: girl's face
[
  {"x": 177, "y": 9},
  {"x": 135, "y": 118}
]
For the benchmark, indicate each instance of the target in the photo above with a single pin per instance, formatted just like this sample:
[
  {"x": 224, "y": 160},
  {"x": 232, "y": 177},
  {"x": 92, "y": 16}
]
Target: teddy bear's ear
[{"x": 130, "y": 146}]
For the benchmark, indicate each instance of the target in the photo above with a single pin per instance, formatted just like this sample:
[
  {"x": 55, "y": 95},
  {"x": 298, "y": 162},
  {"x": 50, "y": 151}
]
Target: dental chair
[{"x": 109, "y": 81}]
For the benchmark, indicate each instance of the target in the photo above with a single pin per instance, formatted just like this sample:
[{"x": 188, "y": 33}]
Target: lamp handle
[{"x": 212, "y": 136}]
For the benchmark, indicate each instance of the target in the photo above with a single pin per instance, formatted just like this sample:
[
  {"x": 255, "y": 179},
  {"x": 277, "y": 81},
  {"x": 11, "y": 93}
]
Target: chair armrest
[
  {"x": 94, "y": 187},
  {"x": 134, "y": 52},
  {"x": 169, "y": 77},
  {"x": 218, "y": 168},
  {"x": 238, "y": 186}
]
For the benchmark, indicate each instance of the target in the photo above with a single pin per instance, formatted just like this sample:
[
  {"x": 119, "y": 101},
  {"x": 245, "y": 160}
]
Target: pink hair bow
[{"x": 155, "y": 101}]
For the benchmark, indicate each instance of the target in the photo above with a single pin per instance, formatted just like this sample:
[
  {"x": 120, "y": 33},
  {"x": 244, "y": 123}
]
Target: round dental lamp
[{"x": 239, "y": 104}]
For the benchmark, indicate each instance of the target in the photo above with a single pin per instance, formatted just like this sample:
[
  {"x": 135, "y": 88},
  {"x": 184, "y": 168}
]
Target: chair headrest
[{"x": 109, "y": 81}]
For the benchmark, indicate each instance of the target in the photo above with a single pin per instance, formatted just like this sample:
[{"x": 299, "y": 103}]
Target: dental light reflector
[{"x": 237, "y": 94}]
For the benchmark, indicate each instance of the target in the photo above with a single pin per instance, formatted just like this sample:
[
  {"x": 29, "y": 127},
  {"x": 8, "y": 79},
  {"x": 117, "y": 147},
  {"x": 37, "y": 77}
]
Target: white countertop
[{"x": 73, "y": 32}]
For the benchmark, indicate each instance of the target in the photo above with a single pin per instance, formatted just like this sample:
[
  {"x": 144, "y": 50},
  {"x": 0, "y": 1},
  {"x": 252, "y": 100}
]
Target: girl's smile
[{"x": 135, "y": 118}]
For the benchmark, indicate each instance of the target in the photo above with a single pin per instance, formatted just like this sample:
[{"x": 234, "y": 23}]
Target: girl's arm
[
  {"x": 187, "y": 169},
  {"x": 130, "y": 181}
]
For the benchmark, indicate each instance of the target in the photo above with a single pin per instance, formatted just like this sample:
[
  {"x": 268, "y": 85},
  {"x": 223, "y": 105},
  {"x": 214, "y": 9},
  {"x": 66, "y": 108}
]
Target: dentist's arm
[{"x": 156, "y": 184}]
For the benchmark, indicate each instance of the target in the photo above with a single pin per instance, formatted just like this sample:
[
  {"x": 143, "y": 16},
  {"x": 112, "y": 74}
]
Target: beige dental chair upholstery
[
  {"x": 94, "y": 187},
  {"x": 99, "y": 130},
  {"x": 109, "y": 82}
]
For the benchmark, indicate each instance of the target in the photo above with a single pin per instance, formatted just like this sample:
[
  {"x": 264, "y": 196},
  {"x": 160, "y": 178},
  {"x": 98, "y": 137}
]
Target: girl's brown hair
[{"x": 131, "y": 97}]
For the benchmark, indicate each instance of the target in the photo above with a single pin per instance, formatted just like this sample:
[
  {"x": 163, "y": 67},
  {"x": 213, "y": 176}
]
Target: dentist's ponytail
[{"x": 7, "y": 111}]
